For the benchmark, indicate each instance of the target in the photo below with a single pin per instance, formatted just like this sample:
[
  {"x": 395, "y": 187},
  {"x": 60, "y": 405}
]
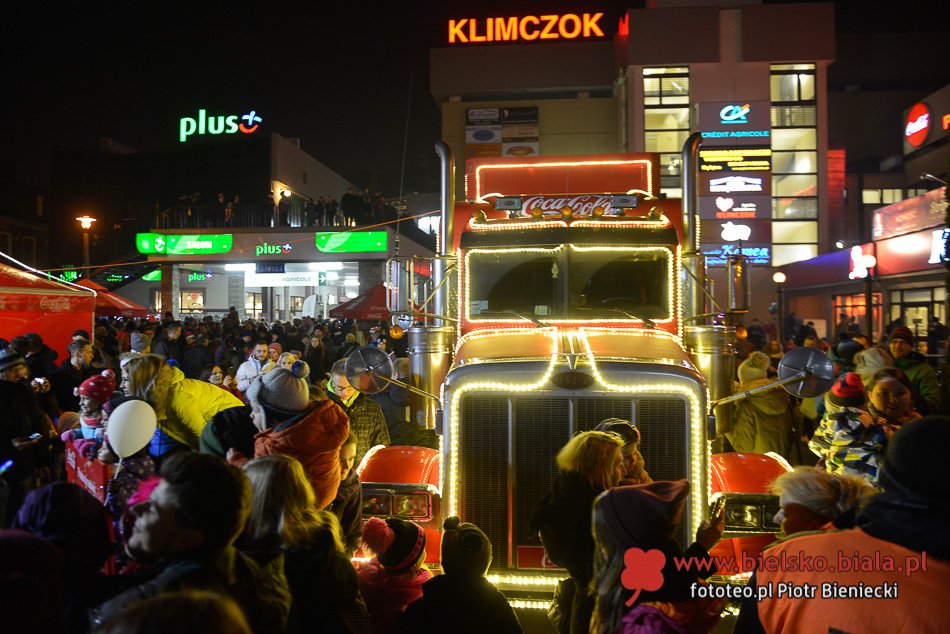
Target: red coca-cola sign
[
  {"x": 917, "y": 126},
  {"x": 580, "y": 205}
]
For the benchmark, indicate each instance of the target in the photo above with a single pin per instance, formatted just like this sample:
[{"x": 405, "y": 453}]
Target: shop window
[
  {"x": 871, "y": 196},
  {"x": 253, "y": 304},
  {"x": 192, "y": 301},
  {"x": 889, "y": 196},
  {"x": 917, "y": 295},
  {"x": 794, "y": 232},
  {"x": 296, "y": 303},
  {"x": 783, "y": 254}
]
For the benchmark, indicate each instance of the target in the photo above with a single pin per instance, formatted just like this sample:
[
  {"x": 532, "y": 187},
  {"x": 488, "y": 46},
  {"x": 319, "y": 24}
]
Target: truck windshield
[
  {"x": 576, "y": 283},
  {"x": 609, "y": 282},
  {"x": 524, "y": 282}
]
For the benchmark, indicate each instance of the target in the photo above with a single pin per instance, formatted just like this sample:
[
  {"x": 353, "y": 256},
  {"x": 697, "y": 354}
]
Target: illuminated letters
[
  {"x": 528, "y": 28},
  {"x": 216, "y": 124}
]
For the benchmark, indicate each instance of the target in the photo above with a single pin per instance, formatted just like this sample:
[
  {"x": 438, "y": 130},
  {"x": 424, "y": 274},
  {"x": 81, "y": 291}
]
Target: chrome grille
[{"x": 508, "y": 444}]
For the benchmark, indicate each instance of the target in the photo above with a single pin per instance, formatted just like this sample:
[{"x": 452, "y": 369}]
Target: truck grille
[{"x": 508, "y": 443}]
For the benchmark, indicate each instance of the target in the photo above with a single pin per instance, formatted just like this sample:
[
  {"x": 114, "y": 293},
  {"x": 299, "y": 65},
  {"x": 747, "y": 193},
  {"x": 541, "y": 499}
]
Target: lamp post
[
  {"x": 779, "y": 278},
  {"x": 86, "y": 223},
  {"x": 869, "y": 262}
]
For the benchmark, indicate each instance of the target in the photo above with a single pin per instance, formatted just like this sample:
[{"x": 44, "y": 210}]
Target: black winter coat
[
  {"x": 459, "y": 604},
  {"x": 348, "y": 507}
]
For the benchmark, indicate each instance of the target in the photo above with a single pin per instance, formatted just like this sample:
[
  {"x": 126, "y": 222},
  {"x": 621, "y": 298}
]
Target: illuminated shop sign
[
  {"x": 917, "y": 125},
  {"x": 729, "y": 184},
  {"x": 153, "y": 276},
  {"x": 733, "y": 114},
  {"x": 217, "y": 124},
  {"x": 569, "y": 26},
  {"x": 353, "y": 242},
  {"x": 717, "y": 254},
  {"x": 272, "y": 249},
  {"x": 746, "y": 231},
  {"x": 861, "y": 261},
  {"x": 69, "y": 275},
  {"x": 735, "y": 207},
  {"x": 298, "y": 278},
  {"x": 741, "y": 159},
  {"x": 735, "y": 123},
  {"x": 909, "y": 215},
  {"x": 158, "y": 243},
  {"x": 919, "y": 251}
]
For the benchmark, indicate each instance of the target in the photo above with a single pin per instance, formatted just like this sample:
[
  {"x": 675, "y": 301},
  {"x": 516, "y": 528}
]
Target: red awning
[
  {"x": 109, "y": 304},
  {"x": 370, "y": 306}
]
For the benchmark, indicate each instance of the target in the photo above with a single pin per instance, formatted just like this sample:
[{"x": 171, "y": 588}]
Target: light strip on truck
[{"x": 699, "y": 448}]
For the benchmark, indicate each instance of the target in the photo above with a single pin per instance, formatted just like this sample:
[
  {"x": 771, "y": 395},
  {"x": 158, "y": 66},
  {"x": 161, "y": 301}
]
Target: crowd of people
[
  {"x": 354, "y": 208},
  {"x": 235, "y": 498}
]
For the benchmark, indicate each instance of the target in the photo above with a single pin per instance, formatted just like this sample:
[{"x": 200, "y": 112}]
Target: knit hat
[
  {"x": 398, "y": 544},
  {"x": 466, "y": 549},
  {"x": 282, "y": 390},
  {"x": 753, "y": 368},
  {"x": 10, "y": 358},
  {"x": 644, "y": 515},
  {"x": 275, "y": 346},
  {"x": 623, "y": 428},
  {"x": 99, "y": 387},
  {"x": 868, "y": 362},
  {"x": 903, "y": 332},
  {"x": 913, "y": 462},
  {"x": 140, "y": 341},
  {"x": 848, "y": 391}
]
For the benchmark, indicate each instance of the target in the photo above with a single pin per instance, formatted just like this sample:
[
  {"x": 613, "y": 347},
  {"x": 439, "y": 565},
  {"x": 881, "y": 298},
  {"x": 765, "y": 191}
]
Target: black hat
[
  {"x": 10, "y": 358},
  {"x": 466, "y": 549},
  {"x": 627, "y": 431}
]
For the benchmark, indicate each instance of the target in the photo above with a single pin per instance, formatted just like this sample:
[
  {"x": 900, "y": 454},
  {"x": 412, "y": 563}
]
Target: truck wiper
[
  {"x": 534, "y": 320},
  {"x": 646, "y": 320}
]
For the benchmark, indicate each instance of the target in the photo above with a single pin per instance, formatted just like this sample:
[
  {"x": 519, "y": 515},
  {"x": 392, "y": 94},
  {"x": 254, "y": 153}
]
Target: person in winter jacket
[
  {"x": 183, "y": 406},
  {"x": 93, "y": 393},
  {"x": 905, "y": 523},
  {"x": 70, "y": 375},
  {"x": 923, "y": 378},
  {"x": 196, "y": 357},
  {"x": 633, "y": 529},
  {"x": 461, "y": 596},
  {"x": 849, "y": 439},
  {"x": 252, "y": 368},
  {"x": 189, "y": 525},
  {"x": 367, "y": 421},
  {"x": 290, "y": 423},
  {"x": 348, "y": 505},
  {"x": 763, "y": 421},
  {"x": 168, "y": 342},
  {"x": 590, "y": 463},
  {"x": 41, "y": 359},
  {"x": 284, "y": 519},
  {"x": 393, "y": 578}
]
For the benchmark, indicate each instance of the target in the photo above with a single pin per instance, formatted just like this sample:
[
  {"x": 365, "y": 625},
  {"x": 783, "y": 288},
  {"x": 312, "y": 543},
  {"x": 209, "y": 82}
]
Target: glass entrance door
[{"x": 917, "y": 317}]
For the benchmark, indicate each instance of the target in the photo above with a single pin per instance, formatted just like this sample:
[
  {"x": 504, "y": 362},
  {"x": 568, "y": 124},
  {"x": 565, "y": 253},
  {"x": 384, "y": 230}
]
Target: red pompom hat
[
  {"x": 99, "y": 388},
  {"x": 848, "y": 391},
  {"x": 398, "y": 544}
]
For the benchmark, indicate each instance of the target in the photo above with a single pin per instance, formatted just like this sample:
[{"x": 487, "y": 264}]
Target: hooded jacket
[
  {"x": 190, "y": 405},
  {"x": 387, "y": 595},
  {"x": 313, "y": 437},
  {"x": 763, "y": 421},
  {"x": 923, "y": 380}
]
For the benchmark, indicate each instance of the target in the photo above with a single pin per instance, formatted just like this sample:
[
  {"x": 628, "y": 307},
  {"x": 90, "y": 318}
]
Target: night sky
[{"x": 337, "y": 78}]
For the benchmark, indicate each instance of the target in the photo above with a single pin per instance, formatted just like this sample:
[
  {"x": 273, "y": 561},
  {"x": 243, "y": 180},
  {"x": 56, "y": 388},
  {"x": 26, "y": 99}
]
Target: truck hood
[{"x": 536, "y": 344}]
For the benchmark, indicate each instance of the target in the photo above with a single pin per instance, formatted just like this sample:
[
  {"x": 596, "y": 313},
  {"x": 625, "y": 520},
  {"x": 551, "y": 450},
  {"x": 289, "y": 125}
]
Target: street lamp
[
  {"x": 86, "y": 223},
  {"x": 779, "y": 278}
]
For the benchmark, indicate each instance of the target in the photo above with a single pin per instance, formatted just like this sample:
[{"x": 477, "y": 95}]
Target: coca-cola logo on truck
[
  {"x": 917, "y": 126},
  {"x": 552, "y": 205},
  {"x": 55, "y": 304}
]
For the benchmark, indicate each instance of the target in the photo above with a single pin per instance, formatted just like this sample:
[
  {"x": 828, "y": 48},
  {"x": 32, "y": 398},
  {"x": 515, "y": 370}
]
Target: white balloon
[{"x": 131, "y": 426}]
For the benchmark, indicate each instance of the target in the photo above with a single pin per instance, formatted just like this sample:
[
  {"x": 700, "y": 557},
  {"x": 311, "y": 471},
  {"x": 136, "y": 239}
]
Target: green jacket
[
  {"x": 191, "y": 404},
  {"x": 763, "y": 421},
  {"x": 923, "y": 381}
]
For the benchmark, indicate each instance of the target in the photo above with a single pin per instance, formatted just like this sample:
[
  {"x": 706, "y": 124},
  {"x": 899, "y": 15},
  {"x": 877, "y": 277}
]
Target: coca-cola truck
[{"x": 568, "y": 291}]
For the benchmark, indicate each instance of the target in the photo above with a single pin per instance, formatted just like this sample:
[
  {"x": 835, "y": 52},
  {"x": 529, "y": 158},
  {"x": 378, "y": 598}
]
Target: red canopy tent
[
  {"x": 370, "y": 306},
  {"x": 109, "y": 304},
  {"x": 30, "y": 302}
]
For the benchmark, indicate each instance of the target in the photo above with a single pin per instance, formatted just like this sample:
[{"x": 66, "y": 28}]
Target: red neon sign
[
  {"x": 530, "y": 27},
  {"x": 917, "y": 126}
]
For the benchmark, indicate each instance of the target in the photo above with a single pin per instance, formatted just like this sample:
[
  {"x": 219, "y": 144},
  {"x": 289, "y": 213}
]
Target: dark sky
[{"x": 337, "y": 78}]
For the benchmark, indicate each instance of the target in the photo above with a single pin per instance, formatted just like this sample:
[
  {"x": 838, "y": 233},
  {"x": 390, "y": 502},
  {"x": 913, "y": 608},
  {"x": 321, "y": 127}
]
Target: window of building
[
  {"x": 666, "y": 120},
  {"x": 190, "y": 301},
  {"x": 794, "y": 162},
  {"x": 855, "y": 308},
  {"x": 296, "y": 303},
  {"x": 28, "y": 250},
  {"x": 253, "y": 304},
  {"x": 6, "y": 242},
  {"x": 871, "y": 196}
]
